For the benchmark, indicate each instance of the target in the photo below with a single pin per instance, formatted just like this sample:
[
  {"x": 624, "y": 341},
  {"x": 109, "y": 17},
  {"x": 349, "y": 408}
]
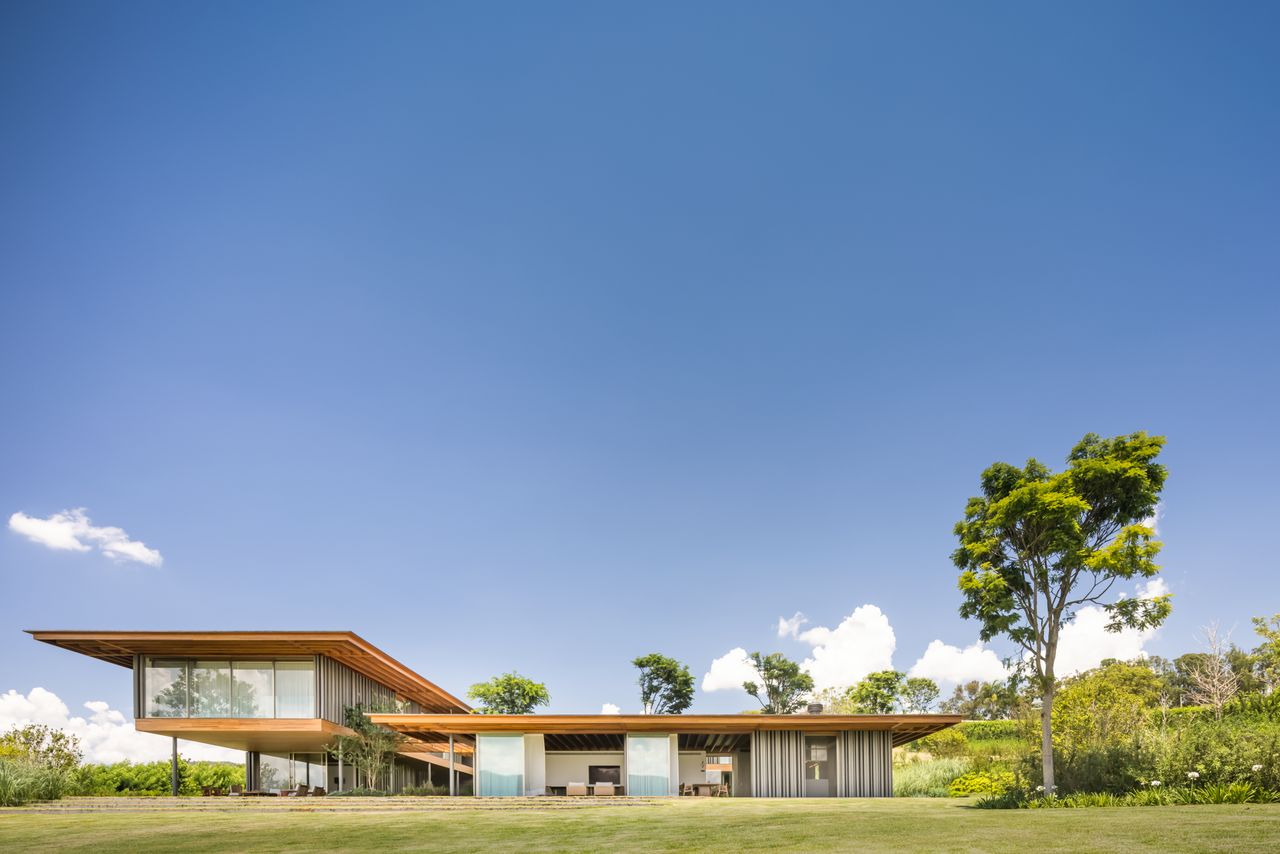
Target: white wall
[
  {"x": 692, "y": 769},
  {"x": 674, "y": 779},
  {"x": 563, "y": 768},
  {"x": 535, "y": 765}
]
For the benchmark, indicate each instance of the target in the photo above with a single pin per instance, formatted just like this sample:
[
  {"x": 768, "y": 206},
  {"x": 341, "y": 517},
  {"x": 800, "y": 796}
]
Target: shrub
[
  {"x": 949, "y": 742},
  {"x": 991, "y": 730},
  {"x": 426, "y": 790},
  {"x": 927, "y": 778},
  {"x": 360, "y": 793},
  {"x": 982, "y": 783},
  {"x": 22, "y": 782}
]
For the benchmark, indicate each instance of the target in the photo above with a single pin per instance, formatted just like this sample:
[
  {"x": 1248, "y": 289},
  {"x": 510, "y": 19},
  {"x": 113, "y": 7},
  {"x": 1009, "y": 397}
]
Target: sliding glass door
[
  {"x": 648, "y": 765},
  {"x": 500, "y": 765}
]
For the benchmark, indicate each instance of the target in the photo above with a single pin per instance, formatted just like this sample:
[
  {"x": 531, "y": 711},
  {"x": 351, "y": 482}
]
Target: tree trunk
[{"x": 1046, "y": 736}]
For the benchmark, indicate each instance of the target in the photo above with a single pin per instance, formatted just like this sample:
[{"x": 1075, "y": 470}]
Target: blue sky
[{"x": 540, "y": 336}]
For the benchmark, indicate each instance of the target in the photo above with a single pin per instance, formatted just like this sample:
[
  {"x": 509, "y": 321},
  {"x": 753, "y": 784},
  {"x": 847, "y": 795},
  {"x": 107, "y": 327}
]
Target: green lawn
[{"x": 902, "y": 824}]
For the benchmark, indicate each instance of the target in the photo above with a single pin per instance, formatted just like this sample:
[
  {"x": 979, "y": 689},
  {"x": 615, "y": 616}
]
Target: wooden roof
[
  {"x": 346, "y": 647},
  {"x": 904, "y": 728}
]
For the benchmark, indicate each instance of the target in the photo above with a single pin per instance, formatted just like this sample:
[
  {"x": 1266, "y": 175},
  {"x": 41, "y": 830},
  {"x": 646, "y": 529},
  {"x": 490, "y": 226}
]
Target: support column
[
  {"x": 174, "y": 767},
  {"x": 453, "y": 774}
]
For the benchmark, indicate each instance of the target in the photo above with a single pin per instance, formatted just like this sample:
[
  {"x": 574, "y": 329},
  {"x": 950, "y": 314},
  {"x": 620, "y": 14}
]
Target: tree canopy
[
  {"x": 783, "y": 686},
  {"x": 666, "y": 685},
  {"x": 509, "y": 694},
  {"x": 876, "y": 694},
  {"x": 1036, "y": 546}
]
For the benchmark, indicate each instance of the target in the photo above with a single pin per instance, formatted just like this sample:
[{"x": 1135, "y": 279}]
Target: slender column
[
  {"x": 174, "y": 767},
  {"x": 453, "y": 775}
]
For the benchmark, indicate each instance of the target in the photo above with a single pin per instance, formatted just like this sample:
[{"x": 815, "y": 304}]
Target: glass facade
[
  {"x": 500, "y": 765},
  {"x": 295, "y": 689},
  {"x": 648, "y": 765},
  {"x": 252, "y": 689},
  {"x": 166, "y": 688},
  {"x": 204, "y": 688}
]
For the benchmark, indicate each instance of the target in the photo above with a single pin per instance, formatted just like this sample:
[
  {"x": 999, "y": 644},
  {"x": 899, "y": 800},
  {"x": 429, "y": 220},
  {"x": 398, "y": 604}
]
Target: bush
[
  {"x": 425, "y": 790},
  {"x": 154, "y": 778},
  {"x": 22, "y": 782},
  {"x": 927, "y": 778},
  {"x": 1231, "y": 793},
  {"x": 992, "y": 730},
  {"x": 360, "y": 793},
  {"x": 982, "y": 783}
]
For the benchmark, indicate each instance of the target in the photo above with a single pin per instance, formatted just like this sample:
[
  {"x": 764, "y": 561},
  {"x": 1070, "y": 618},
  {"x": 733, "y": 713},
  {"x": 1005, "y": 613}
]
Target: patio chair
[
  {"x": 604, "y": 790},
  {"x": 576, "y": 790},
  {"x": 206, "y": 791},
  {"x": 722, "y": 791},
  {"x": 236, "y": 789},
  {"x": 686, "y": 790},
  {"x": 318, "y": 792},
  {"x": 299, "y": 792}
]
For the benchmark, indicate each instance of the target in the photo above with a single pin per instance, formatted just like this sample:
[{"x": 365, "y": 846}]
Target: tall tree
[
  {"x": 783, "y": 686},
  {"x": 509, "y": 694},
  {"x": 42, "y": 745},
  {"x": 1035, "y": 546},
  {"x": 919, "y": 694},
  {"x": 877, "y": 693},
  {"x": 371, "y": 749},
  {"x": 666, "y": 685},
  {"x": 1214, "y": 682}
]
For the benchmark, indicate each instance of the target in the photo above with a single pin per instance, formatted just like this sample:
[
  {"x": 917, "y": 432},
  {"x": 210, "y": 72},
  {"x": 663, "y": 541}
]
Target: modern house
[{"x": 281, "y": 697}]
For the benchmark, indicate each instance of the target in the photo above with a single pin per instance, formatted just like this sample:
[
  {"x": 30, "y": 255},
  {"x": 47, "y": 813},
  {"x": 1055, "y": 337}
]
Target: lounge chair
[
  {"x": 318, "y": 792},
  {"x": 576, "y": 790},
  {"x": 603, "y": 790},
  {"x": 300, "y": 792},
  {"x": 236, "y": 789}
]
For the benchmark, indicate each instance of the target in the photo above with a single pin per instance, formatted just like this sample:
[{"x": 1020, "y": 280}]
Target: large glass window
[
  {"x": 500, "y": 765},
  {"x": 180, "y": 688},
  {"x": 210, "y": 689},
  {"x": 295, "y": 689},
  {"x": 252, "y": 691},
  {"x": 648, "y": 765},
  {"x": 166, "y": 686}
]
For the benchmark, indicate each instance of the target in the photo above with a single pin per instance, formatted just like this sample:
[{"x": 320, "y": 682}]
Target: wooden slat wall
[
  {"x": 864, "y": 765},
  {"x": 777, "y": 764},
  {"x": 340, "y": 686}
]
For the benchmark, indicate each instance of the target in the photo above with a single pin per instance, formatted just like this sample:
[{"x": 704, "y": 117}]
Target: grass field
[{"x": 901, "y": 824}]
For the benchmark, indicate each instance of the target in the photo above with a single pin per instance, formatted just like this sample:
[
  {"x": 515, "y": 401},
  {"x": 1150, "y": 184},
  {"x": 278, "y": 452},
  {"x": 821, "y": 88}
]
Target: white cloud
[
  {"x": 72, "y": 530},
  {"x": 610, "y": 709},
  {"x": 791, "y": 628},
  {"x": 1153, "y": 521},
  {"x": 863, "y": 643},
  {"x": 729, "y": 671},
  {"x": 105, "y": 734},
  {"x": 1085, "y": 641},
  {"x": 944, "y": 663}
]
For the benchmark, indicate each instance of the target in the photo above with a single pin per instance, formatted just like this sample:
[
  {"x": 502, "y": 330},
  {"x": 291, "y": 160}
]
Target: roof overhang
[
  {"x": 904, "y": 728},
  {"x": 347, "y": 647}
]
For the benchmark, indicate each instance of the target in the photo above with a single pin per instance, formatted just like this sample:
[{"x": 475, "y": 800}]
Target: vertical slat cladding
[
  {"x": 865, "y": 765},
  {"x": 340, "y": 687},
  {"x": 777, "y": 764}
]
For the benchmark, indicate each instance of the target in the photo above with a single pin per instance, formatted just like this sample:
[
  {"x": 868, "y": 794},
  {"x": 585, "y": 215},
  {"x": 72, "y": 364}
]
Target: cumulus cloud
[
  {"x": 863, "y": 643},
  {"x": 105, "y": 734},
  {"x": 72, "y": 530},
  {"x": 944, "y": 663},
  {"x": 729, "y": 671},
  {"x": 1153, "y": 521},
  {"x": 610, "y": 709},
  {"x": 1085, "y": 641}
]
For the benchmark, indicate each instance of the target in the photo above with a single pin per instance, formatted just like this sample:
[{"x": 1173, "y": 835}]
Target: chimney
[{"x": 815, "y": 708}]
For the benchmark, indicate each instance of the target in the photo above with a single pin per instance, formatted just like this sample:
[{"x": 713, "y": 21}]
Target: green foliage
[
  {"x": 371, "y": 749},
  {"x": 877, "y": 694},
  {"x": 1103, "y": 707},
  {"x": 1228, "y": 793},
  {"x": 982, "y": 783},
  {"x": 666, "y": 685},
  {"x": 41, "y": 745},
  {"x": 425, "y": 790},
  {"x": 1267, "y": 654},
  {"x": 927, "y": 779},
  {"x": 991, "y": 730},
  {"x": 783, "y": 684},
  {"x": 985, "y": 700},
  {"x": 153, "y": 778},
  {"x": 918, "y": 694},
  {"x": 23, "y": 781},
  {"x": 509, "y": 694},
  {"x": 360, "y": 792}
]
